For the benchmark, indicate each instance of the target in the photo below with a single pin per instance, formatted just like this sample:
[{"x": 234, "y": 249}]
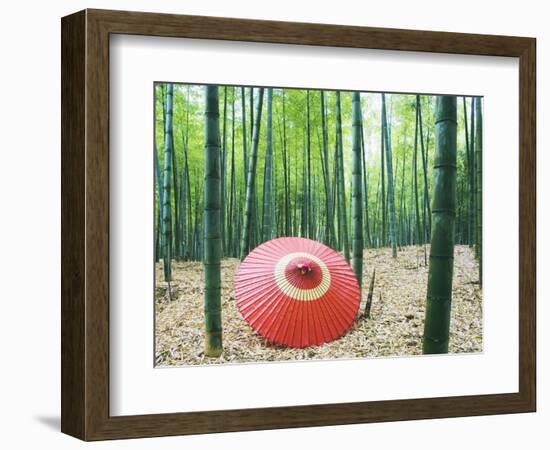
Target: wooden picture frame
[{"x": 85, "y": 224}]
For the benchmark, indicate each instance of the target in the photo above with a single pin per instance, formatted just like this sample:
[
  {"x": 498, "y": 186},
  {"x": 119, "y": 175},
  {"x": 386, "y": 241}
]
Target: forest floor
[{"x": 394, "y": 329}]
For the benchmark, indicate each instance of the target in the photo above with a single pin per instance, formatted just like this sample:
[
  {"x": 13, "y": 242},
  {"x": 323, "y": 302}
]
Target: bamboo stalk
[
  {"x": 440, "y": 275},
  {"x": 356, "y": 189},
  {"x": 245, "y": 240},
  {"x": 212, "y": 227},
  {"x": 167, "y": 205},
  {"x": 368, "y": 305}
]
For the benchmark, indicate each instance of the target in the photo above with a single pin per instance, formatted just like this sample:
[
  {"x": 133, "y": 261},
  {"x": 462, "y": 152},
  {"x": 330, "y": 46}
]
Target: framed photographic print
[{"x": 319, "y": 209}]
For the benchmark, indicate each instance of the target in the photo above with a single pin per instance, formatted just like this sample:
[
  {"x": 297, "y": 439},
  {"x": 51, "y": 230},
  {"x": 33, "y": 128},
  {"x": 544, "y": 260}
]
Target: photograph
[
  {"x": 275, "y": 225},
  {"x": 298, "y": 224}
]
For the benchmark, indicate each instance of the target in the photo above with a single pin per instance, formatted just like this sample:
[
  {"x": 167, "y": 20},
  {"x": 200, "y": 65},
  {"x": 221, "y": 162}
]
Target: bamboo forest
[{"x": 389, "y": 184}]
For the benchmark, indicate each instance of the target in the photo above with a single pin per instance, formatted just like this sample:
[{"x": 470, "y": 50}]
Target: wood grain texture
[
  {"x": 202, "y": 27},
  {"x": 527, "y": 224},
  {"x": 85, "y": 224},
  {"x": 72, "y": 223}
]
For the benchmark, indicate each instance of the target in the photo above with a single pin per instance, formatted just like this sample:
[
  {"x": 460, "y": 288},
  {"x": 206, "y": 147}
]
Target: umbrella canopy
[{"x": 297, "y": 292}]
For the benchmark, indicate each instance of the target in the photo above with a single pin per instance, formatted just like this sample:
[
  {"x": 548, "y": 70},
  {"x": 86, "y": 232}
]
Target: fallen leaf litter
[{"x": 394, "y": 329}]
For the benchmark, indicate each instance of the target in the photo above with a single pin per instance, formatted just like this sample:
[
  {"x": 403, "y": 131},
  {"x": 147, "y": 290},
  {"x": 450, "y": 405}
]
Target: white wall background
[{"x": 30, "y": 225}]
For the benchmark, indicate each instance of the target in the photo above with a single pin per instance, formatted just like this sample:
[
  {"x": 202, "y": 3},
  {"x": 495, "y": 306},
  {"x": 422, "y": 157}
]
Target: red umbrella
[{"x": 297, "y": 292}]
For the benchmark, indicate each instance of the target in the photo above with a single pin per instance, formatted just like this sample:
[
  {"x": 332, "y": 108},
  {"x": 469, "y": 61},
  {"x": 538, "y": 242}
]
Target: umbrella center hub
[
  {"x": 302, "y": 276},
  {"x": 304, "y": 267},
  {"x": 303, "y": 273}
]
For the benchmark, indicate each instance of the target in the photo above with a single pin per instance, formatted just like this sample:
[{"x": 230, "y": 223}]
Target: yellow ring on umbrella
[{"x": 295, "y": 292}]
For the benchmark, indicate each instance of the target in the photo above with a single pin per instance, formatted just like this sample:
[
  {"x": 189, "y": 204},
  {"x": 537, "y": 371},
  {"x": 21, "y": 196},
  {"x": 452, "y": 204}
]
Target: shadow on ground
[{"x": 51, "y": 422}]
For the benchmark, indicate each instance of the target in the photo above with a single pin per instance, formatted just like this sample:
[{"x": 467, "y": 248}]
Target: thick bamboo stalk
[
  {"x": 167, "y": 206},
  {"x": 212, "y": 226},
  {"x": 440, "y": 276}
]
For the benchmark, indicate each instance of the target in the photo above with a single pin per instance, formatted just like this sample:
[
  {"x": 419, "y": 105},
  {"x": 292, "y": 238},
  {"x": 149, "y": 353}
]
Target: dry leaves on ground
[{"x": 394, "y": 329}]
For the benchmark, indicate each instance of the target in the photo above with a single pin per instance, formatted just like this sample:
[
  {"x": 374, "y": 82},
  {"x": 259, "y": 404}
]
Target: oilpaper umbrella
[{"x": 297, "y": 292}]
